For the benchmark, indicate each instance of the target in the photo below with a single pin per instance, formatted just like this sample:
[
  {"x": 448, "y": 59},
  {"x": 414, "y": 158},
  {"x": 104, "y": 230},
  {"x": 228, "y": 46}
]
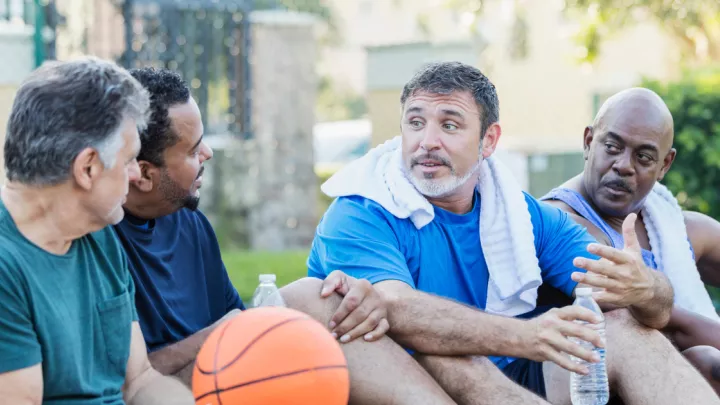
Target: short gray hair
[{"x": 65, "y": 107}]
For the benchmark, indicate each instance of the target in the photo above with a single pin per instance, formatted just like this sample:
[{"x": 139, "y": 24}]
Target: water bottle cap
[
  {"x": 267, "y": 278},
  {"x": 583, "y": 291}
]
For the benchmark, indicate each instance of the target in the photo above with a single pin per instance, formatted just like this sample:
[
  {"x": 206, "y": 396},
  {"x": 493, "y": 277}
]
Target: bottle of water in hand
[
  {"x": 591, "y": 389},
  {"x": 267, "y": 294}
]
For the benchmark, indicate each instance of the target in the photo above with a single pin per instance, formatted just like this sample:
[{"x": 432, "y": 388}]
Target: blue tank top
[{"x": 578, "y": 203}]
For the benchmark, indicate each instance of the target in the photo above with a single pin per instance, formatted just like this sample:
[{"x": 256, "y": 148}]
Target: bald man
[{"x": 627, "y": 149}]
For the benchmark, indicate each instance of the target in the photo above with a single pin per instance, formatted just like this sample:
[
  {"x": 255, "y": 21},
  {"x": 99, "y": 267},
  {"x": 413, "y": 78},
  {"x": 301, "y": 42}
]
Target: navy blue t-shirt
[{"x": 181, "y": 282}]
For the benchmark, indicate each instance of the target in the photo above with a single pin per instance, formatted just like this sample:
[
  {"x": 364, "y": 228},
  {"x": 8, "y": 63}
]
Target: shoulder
[
  {"x": 356, "y": 210},
  {"x": 701, "y": 229},
  {"x": 558, "y": 213}
]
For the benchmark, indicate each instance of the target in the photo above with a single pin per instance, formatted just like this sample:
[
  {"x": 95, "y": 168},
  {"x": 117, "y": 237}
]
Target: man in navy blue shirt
[{"x": 182, "y": 288}]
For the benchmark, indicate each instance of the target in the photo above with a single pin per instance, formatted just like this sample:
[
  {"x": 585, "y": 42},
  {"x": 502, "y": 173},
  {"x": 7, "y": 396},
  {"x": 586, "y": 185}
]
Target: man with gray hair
[{"x": 69, "y": 327}]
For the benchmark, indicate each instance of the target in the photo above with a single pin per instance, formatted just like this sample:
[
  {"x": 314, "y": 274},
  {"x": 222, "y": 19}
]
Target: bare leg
[
  {"x": 381, "y": 372},
  {"x": 643, "y": 368},
  {"x": 475, "y": 381},
  {"x": 707, "y": 360}
]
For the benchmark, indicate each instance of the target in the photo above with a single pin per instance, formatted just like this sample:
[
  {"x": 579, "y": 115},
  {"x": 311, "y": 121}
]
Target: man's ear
[
  {"x": 667, "y": 162},
  {"x": 587, "y": 141},
  {"x": 149, "y": 176},
  {"x": 490, "y": 140},
  {"x": 86, "y": 168}
]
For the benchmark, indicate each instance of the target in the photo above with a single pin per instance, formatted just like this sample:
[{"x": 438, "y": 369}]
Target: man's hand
[
  {"x": 545, "y": 338},
  {"x": 362, "y": 312},
  {"x": 622, "y": 275}
]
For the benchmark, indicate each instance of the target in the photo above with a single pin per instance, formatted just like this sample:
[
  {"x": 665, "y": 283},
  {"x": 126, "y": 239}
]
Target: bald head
[
  {"x": 627, "y": 150},
  {"x": 637, "y": 111}
]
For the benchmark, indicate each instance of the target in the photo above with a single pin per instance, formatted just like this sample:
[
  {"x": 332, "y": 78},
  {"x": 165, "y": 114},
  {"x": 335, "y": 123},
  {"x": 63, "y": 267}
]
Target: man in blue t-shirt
[
  {"x": 182, "y": 288},
  {"x": 435, "y": 277}
]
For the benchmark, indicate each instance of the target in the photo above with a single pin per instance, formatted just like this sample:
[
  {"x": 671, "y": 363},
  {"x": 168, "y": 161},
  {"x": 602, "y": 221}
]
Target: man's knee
[
  {"x": 304, "y": 295},
  {"x": 620, "y": 324},
  {"x": 705, "y": 359}
]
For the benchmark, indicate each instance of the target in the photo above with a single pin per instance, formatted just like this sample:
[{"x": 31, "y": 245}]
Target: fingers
[
  {"x": 382, "y": 329},
  {"x": 603, "y": 267},
  {"x": 565, "y": 362},
  {"x": 574, "y": 312},
  {"x": 351, "y": 302},
  {"x": 610, "y": 253},
  {"x": 582, "y": 332},
  {"x": 360, "y": 325},
  {"x": 335, "y": 281},
  {"x": 595, "y": 280},
  {"x": 629, "y": 234}
]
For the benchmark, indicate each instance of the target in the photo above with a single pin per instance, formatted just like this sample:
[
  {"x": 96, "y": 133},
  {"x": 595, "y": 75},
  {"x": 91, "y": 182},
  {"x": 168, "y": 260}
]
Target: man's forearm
[
  {"x": 689, "y": 329},
  {"x": 178, "y": 358},
  {"x": 153, "y": 388},
  {"x": 656, "y": 311},
  {"x": 172, "y": 359},
  {"x": 434, "y": 325}
]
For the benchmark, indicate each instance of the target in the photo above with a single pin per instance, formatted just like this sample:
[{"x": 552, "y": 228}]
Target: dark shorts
[{"x": 527, "y": 373}]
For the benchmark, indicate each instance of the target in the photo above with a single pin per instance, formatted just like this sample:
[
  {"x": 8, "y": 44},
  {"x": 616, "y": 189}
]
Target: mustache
[
  {"x": 618, "y": 183},
  {"x": 200, "y": 173},
  {"x": 429, "y": 156}
]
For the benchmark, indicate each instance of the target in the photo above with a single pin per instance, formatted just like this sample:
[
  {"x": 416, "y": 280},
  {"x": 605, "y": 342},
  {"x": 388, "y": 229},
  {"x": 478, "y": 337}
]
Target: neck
[
  {"x": 459, "y": 202},
  {"x": 50, "y": 217},
  {"x": 147, "y": 205}
]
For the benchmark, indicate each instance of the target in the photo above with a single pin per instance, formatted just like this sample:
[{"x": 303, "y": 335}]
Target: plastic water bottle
[
  {"x": 267, "y": 294},
  {"x": 591, "y": 389}
]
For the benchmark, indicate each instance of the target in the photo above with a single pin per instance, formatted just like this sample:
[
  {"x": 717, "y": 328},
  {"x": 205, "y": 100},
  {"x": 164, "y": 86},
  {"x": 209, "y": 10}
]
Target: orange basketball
[{"x": 271, "y": 355}]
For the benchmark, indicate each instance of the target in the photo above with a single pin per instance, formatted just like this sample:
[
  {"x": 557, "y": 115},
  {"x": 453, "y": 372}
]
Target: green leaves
[{"x": 695, "y": 104}]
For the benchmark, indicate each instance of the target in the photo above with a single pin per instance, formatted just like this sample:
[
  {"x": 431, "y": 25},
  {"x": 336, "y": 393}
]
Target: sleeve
[
  {"x": 231, "y": 295},
  {"x": 356, "y": 237},
  {"x": 19, "y": 346},
  {"x": 558, "y": 241}
]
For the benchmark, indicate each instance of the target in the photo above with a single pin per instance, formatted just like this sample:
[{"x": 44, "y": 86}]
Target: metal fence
[{"x": 206, "y": 41}]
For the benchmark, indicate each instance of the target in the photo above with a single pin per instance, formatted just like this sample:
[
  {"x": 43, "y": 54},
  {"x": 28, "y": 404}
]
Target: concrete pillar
[
  {"x": 284, "y": 84},
  {"x": 16, "y": 43}
]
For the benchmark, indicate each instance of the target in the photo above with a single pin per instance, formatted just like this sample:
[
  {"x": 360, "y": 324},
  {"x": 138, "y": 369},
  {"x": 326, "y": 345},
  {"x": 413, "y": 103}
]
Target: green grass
[{"x": 245, "y": 266}]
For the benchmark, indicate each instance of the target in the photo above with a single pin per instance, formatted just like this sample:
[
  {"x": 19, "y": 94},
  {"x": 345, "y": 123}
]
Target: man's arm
[
  {"x": 625, "y": 281},
  {"x": 704, "y": 234},
  {"x": 146, "y": 386},
  {"x": 434, "y": 325},
  {"x": 653, "y": 310},
  {"x": 22, "y": 387},
  {"x": 178, "y": 358},
  {"x": 689, "y": 329}
]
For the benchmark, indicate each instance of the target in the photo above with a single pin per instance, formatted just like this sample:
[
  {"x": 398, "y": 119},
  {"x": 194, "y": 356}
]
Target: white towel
[
  {"x": 506, "y": 233},
  {"x": 665, "y": 225}
]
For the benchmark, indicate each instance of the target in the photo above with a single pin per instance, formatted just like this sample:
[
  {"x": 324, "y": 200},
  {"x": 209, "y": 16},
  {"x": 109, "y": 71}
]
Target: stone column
[
  {"x": 16, "y": 43},
  {"x": 282, "y": 214}
]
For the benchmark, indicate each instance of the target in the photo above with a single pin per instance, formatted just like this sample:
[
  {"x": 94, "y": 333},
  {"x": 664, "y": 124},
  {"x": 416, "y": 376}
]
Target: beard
[
  {"x": 435, "y": 188},
  {"x": 175, "y": 194}
]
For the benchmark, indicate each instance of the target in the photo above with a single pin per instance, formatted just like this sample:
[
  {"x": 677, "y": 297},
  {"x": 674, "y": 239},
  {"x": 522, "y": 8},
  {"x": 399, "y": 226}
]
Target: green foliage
[
  {"x": 695, "y": 104},
  {"x": 244, "y": 267},
  {"x": 695, "y": 24},
  {"x": 338, "y": 102}
]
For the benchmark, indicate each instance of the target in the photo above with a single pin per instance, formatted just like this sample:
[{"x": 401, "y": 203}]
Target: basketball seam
[
  {"x": 245, "y": 350},
  {"x": 219, "y": 391},
  {"x": 215, "y": 360}
]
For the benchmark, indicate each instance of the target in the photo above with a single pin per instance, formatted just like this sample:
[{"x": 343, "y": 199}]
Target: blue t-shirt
[
  {"x": 359, "y": 237},
  {"x": 180, "y": 280}
]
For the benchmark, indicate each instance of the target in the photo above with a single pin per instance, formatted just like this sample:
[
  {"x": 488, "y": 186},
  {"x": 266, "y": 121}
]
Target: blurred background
[{"x": 292, "y": 90}]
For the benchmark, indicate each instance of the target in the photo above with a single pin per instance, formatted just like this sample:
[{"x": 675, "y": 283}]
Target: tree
[
  {"x": 694, "y": 23},
  {"x": 694, "y": 102}
]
